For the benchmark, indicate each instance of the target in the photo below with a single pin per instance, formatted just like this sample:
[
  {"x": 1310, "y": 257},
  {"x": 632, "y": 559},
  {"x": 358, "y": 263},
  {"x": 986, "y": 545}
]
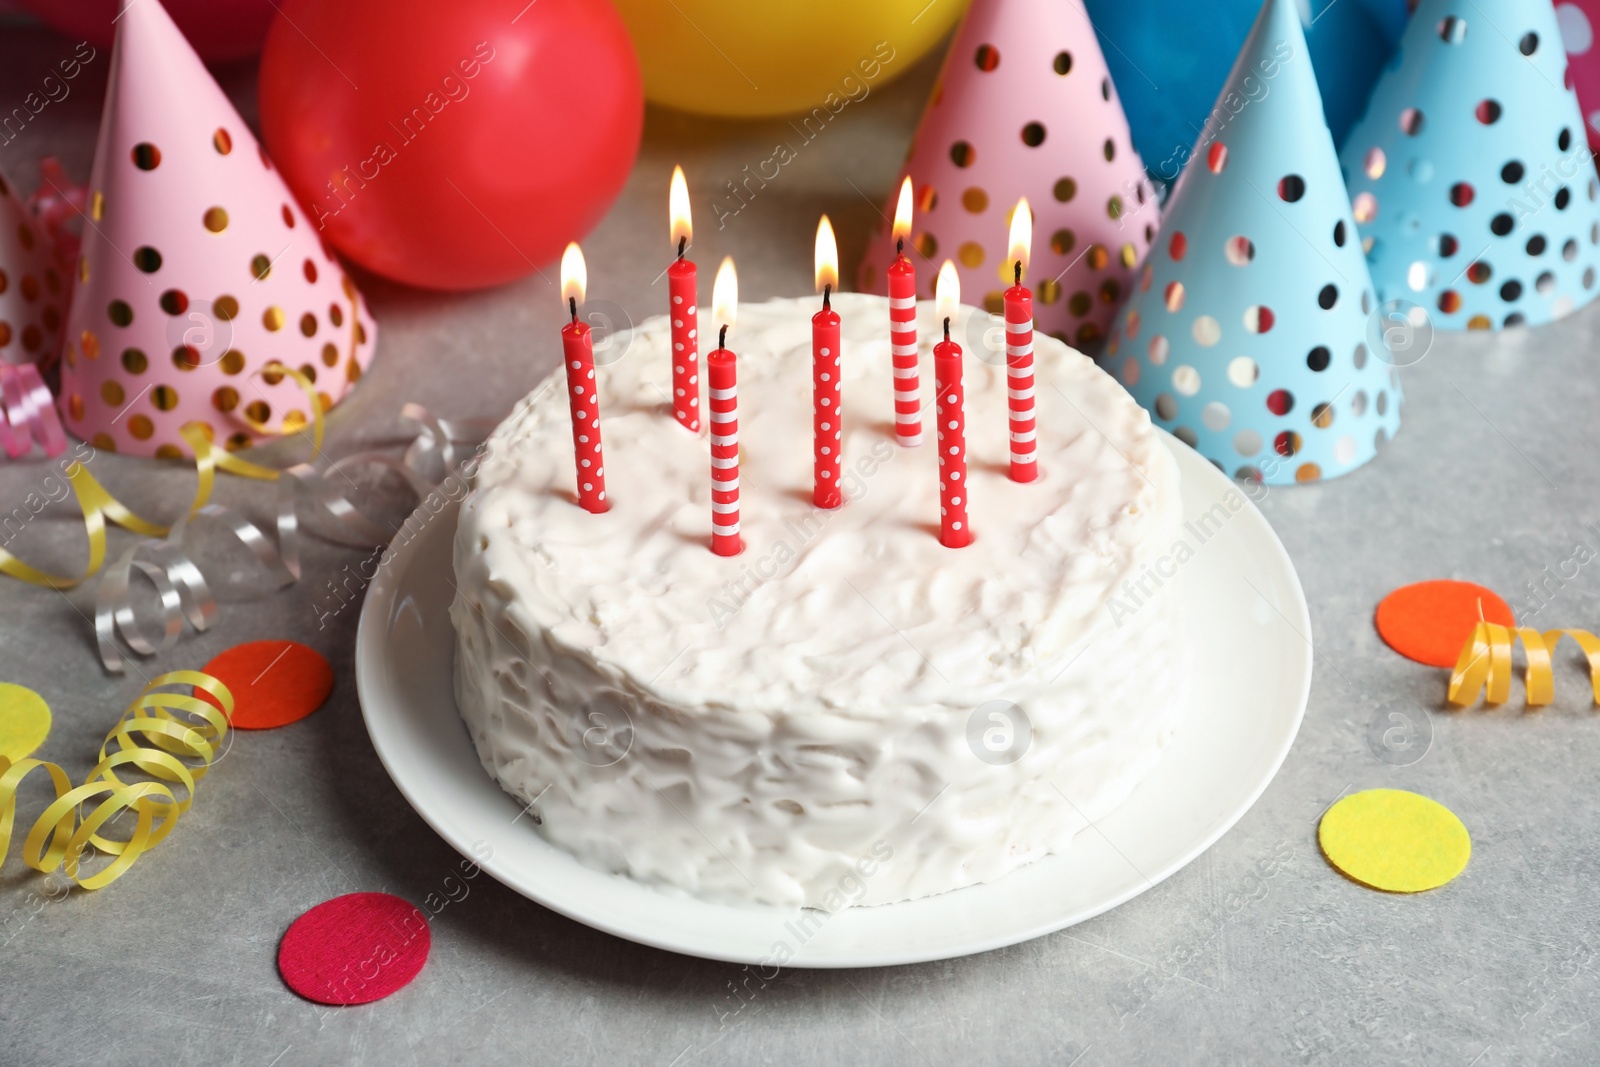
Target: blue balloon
[{"x": 1169, "y": 59}]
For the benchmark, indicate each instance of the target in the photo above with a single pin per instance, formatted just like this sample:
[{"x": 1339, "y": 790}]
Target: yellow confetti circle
[
  {"x": 24, "y": 721},
  {"x": 1396, "y": 841}
]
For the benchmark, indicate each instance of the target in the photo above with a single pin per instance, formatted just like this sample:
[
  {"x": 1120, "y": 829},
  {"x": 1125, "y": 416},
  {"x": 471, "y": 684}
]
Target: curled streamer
[
  {"x": 169, "y": 737},
  {"x": 431, "y": 454},
  {"x": 179, "y": 583},
  {"x": 1485, "y": 663},
  {"x": 30, "y": 413}
]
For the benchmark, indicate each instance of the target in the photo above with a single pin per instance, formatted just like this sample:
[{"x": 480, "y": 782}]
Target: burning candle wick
[
  {"x": 899, "y": 246},
  {"x": 572, "y": 302},
  {"x": 722, "y": 337},
  {"x": 1016, "y": 272},
  {"x": 947, "y": 328},
  {"x": 683, "y": 246},
  {"x": 826, "y": 290}
]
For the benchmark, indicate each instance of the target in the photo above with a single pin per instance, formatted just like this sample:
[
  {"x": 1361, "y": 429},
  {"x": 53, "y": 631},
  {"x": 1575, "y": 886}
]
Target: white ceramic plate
[{"x": 1246, "y": 616}]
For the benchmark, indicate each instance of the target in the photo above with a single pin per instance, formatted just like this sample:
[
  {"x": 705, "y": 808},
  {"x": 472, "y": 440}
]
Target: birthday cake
[{"x": 847, "y": 712}]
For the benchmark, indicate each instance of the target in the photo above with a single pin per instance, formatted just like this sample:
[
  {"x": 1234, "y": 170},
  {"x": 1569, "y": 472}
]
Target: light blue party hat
[
  {"x": 1470, "y": 173},
  {"x": 1247, "y": 334}
]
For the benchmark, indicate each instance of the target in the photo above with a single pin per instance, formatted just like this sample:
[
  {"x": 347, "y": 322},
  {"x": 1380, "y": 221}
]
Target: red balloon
[
  {"x": 219, "y": 29},
  {"x": 452, "y": 145}
]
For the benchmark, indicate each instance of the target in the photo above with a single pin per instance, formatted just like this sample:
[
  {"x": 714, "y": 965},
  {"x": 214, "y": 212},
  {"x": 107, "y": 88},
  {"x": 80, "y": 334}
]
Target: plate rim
[{"x": 375, "y": 611}]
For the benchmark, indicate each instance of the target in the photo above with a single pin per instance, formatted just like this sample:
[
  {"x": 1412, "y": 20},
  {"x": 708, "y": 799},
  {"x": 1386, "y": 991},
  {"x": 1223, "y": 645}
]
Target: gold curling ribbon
[
  {"x": 175, "y": 727},
  {"x": 163, "y": 558},
  {"x": 1485, "y": 663},
  {"x": 99, "y": 506}
]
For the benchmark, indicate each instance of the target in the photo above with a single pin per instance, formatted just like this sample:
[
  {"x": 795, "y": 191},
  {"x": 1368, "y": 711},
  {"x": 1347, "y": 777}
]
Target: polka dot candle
[
  {"x": 1252, "y": 333},
  {"x": 826, "y": 413},
  {"x": 685, "y": 344},
  {"x": 1024, "y": 106},
  {"x": 577, "y": 348},
  {"x": 826, "y": 427},
  {"x": 950, "y": 420},
  {"x": 1475, "y": 191},
  {"x": 684, "y": 312},
  {"x": 199, "y": 277}
]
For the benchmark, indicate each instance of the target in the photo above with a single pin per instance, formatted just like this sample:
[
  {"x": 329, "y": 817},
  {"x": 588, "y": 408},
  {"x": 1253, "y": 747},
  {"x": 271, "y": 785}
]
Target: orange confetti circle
[
  {"x": 1430, "y": 621},
  {"x": 274, "y": 683}
]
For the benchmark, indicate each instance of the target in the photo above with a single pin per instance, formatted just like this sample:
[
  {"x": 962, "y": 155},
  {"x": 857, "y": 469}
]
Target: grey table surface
[{"x": 1256, "y": 952}]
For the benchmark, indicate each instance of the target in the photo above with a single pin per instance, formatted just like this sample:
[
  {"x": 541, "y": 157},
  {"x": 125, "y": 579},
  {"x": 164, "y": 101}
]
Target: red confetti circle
[
  {"x": 354, "y": 949},
  {"x": 1430, "y": 621},
  {"x": 274, "y": 683}
]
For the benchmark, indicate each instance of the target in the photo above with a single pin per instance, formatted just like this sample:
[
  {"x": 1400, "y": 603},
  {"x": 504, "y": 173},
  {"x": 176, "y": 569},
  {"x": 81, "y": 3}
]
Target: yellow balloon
[{"x": 743, "y": 59}]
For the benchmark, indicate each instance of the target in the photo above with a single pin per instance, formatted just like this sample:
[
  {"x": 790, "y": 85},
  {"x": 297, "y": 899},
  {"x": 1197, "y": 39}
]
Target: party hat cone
[
  {"x": 1247, "y": 336},
  {"x": 1470, "y": 174},
  {"x": 1024, "y": 107},
  {"x": 199, "y": 274},
  {"x": 32, "y": 290}
]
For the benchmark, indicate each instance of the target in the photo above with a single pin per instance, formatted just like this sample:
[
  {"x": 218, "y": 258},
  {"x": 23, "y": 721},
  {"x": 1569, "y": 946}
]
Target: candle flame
[
  {"x": 1021, "y": 242},
  {"x": 947, "y": 291},
  {"x": 902, "y": 212},
  {"x": 678, "y": 208},
  {"x": 725, "y": 294},
  {"x": 574, "y": 274},
  {"x": 827, "y": 257}
]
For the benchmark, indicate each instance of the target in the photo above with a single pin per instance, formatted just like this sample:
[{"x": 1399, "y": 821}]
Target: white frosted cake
[{"x": 848, "y": 712}]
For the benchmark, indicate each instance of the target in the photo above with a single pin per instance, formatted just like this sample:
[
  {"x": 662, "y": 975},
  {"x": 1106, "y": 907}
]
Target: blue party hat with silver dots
[
  {"x": 1247, "y": 334},
  {"x": 1470, "y": 174}
]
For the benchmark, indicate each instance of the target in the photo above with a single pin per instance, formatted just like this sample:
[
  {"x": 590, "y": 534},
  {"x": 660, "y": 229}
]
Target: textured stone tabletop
[{"x": 1256, "y": 952}]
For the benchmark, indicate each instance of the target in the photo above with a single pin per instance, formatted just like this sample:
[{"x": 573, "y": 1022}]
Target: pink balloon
[{"x": 219, "y": 30}]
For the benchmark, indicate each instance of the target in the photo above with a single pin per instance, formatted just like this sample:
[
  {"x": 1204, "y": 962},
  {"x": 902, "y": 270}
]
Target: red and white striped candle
[
  {"x": 950, "y": 427},
  {"x": 1019, "y": 353},
  {"x": 903, "y": 329},
  {"x": 577, "y": 346},
  {"x": 681, "y": 286},
  {"x": 722, "y": 375},
  {"x": 826, "y": 428}
]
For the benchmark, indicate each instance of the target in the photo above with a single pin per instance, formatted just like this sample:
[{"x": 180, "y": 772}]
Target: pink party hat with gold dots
[
  {"x": 33, "y": 293},
  {"x": 1024, "y": 107},
  {"x": 199, "y": 273}
]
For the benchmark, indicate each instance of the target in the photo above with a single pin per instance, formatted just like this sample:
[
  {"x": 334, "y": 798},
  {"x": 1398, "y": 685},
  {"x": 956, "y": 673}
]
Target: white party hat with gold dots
[
  {"x": 199, "y": 273},
  {"x": 32, "y": 291}
]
